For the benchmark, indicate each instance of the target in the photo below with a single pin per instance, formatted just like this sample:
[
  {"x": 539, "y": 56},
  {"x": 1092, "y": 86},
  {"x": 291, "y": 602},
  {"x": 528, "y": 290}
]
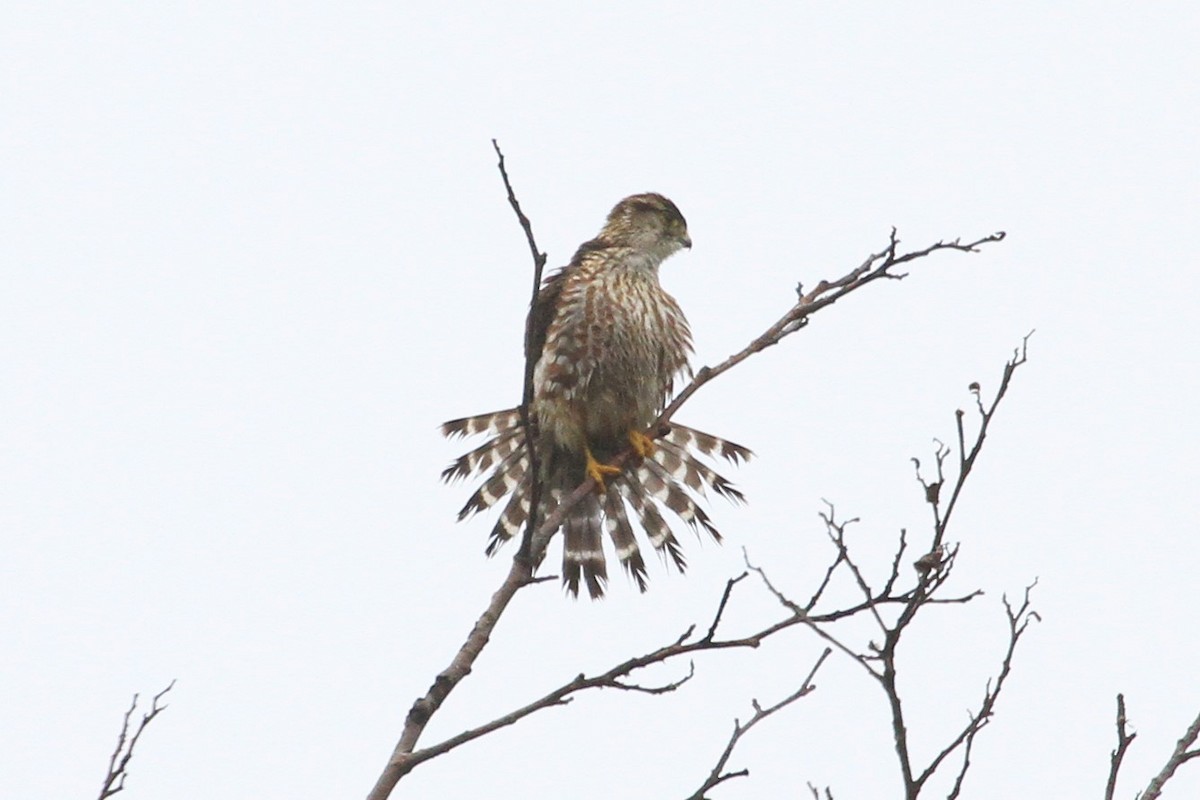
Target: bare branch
[
  {"x": 683, "y": 645},
  {"x": 402, "y": 760},
  {"x": 967, "y": 459},
  {"x": 718, "y": 774},
  {"x": 118, "y": 763},
  {"x": 712, "y": 629},
  {"x": 527, "y": 552},
  {"x": 933, "y": 570},
  {"x": 1123, "y": 741},
  {"x": 520, "y": 573},
  {"x": 826, "y": 293},
  {"x": 1018, "y": 622},
  {"x": 817, "y": 795},
  {"x": 1178, "y": 758}
]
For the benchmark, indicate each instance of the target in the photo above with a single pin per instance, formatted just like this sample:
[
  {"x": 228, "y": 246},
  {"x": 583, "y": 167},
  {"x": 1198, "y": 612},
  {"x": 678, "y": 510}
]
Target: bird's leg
[
  {"x": 642, "y": 444},
  {"x": 596, "y": 471}
]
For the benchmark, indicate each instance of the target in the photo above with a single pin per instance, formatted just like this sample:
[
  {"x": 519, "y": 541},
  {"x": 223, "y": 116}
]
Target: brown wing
[{"x": 542, "y": 314}]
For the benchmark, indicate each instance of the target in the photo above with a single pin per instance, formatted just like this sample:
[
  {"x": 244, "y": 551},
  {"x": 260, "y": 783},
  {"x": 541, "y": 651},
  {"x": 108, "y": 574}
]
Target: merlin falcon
[{"x": 607, "y": 343}]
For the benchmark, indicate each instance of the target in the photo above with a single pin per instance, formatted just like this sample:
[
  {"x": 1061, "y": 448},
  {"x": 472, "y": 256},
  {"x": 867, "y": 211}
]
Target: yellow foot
[
  {"x": 642, "y": 444},
  {"x": 596, "y": 471}
]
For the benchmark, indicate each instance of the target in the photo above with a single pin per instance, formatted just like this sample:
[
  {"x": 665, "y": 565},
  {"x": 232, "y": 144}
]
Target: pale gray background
[{"x": 254, "y": 253}]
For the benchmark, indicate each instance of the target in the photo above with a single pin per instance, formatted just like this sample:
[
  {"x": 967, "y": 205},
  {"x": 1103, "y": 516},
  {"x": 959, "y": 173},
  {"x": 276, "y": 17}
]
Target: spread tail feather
[{"x": 668, "y": 479}]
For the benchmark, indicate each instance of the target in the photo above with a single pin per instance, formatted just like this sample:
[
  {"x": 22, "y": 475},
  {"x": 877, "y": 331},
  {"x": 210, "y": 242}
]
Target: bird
[{"x": 607, "y": 343}]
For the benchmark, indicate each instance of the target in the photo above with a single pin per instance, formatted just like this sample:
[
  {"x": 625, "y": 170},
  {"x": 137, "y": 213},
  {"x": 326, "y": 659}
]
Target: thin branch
[
  {"x": 683, "y": 645},
  {"x": 402, "y": 760},
  {"x": 933, "y": 570},
  {"x": 718, "y": 775},
  {"x": 1124, "y": 739},
  {"x": 1179, "y": 757},
  {"x": 876, "y": 266},
  {"x": 118, "y": 763},
  {"x": 967, "y": 460},
  {"x": 1018, "y": 622},
  {"x": 801, "y": 615},
  {"x": 526, "y": 552},
  {"x": 712, "y": 629},
  {"x": 962, "y": 771},
  {"x": 520, "y": 574},
  {"x": 837, "y": 534},
  {"x": 817, "y": 794}
]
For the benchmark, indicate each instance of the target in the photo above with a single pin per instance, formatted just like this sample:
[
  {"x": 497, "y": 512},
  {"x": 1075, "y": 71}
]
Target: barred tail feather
[
  {"x": 657, "y": 529},
  {"x": 494, "y": 423},
  {"x": 707, "y": 444},
  {"x": 693, "y": 473},
  {"x": 504, "y": 478},
  {"x": 620, "y": 533},
  {"x": 514, "y": 515},
  {"x": 663, "y": 488},
  {"x": 583, "y": 548},
  {"x": 673, "y": 477},
  {"x": 484, "y": 457}
]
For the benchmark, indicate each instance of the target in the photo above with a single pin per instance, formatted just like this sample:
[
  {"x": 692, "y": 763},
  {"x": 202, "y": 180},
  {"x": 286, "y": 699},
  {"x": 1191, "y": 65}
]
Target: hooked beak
[{"x": 686, "y": 241}]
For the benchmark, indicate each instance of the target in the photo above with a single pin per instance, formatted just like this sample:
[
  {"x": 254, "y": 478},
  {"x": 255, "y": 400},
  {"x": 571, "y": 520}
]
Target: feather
[
  {"x": 620, "y": 533},
  {"x": 657, "y": 529},
  {"x": 696, "y": 475},
  {"x": 707, "y": 444},
  {"x": 504, "y": 478},
  {"x": 489, "y": 453},
  {"x": 583, "y": 549},
  {"x": 495, "y": 422}
]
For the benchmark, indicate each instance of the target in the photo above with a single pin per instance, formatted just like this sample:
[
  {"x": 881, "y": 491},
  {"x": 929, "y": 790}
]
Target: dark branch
[
  {"x": 402, "y": 760},
  {"x": 878, "y": 265},
  {"x": 894, "y": 610},
  {"x": 520, "y": 573},
  {"x": 967, "y": 458},
  {"x": 526, "y": 553},
  {"x": 712, "y": 629},
  {"x": 1124, "y": 739},
  {"x": 718, "y": 774},
  {"x": 613, "y": 678},
  {"x": 118, "y": 763}
]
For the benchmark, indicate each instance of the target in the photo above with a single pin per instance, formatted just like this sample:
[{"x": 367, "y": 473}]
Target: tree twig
[
  {"x": 402, "y": 760},
  {"x": 1124, "y": 739},
  {"x": 682, "y": 646},
  {"x": 718, "y": 774},
  {"x": 118, "y": 763},
  {"x": 526, "y": 552},
  {"x": 934, "y": 569},
  {"x": 1182, "y": 754}
]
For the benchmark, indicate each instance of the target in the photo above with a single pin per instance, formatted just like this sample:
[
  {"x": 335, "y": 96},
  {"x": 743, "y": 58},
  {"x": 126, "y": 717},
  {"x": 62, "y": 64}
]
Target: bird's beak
[{"x": 686, "y": 241}]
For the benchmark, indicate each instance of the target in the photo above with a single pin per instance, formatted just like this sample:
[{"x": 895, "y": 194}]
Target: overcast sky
[{"x": 254, "y": 253}]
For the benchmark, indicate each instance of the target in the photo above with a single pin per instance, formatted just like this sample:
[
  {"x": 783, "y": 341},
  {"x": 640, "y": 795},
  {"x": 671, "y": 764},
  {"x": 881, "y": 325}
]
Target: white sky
[{"x": 254, "y": 253}]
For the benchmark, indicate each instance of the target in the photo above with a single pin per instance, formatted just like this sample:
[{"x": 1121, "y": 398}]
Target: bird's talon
[
  {"x": 642, "y": 444},
  {"x": 596, "y": 471}
]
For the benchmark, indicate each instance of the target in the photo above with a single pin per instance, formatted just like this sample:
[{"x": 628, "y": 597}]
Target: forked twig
[{"x": 118, "y": 763}]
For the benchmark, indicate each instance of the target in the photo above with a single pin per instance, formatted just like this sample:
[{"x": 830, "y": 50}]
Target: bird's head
[{"x": 649, "y": 222}]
